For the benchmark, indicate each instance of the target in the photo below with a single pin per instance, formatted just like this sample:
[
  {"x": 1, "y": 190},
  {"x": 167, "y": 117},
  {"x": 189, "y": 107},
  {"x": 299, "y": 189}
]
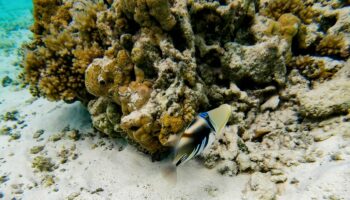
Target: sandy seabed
[{"x": 93, "y": 167}]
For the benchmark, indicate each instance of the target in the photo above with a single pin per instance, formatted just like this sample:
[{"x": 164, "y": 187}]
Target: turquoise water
[{"x": 16, "y": 17}]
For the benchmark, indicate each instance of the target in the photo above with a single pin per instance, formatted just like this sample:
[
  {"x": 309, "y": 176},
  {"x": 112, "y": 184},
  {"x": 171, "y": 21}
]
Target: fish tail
[{"x": 169, "y": 173}]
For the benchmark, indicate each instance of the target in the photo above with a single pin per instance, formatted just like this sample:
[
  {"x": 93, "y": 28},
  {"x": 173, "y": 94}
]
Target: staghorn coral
[
  {"x": 315, "y": 67},
  {"x": 55, "y": 62},
  {"x": 334, "y": 45}
]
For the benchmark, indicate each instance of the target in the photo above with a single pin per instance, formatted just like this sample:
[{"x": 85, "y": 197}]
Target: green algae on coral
[
  {"x": 48, "y": 180},
  {"x": 38, "y": 133},
  {"x": 5, "y": 130},
  {"x": 56, "y": 137},
  {"x": 15, "y": 136},
  {"x": 36, "y": 149},
  {"x": 3, "y": 179},
  {"x": 43, "y": 164},
  {"x": 6, "y": 81},
  {"x": 10, "y": 116},
  {"x": 73, "y": 135}
]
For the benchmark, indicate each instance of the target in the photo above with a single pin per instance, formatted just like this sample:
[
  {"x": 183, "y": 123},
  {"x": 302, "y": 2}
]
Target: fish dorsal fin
[{"x": 219, "y": 117}]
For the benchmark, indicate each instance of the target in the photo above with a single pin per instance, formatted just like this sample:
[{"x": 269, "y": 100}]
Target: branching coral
[
  {"x": 276, "y": 8},
  {"x": 312, "y": 68},
  {"x": 56, "y": 61},
  {"x": 334, "y": 45}
]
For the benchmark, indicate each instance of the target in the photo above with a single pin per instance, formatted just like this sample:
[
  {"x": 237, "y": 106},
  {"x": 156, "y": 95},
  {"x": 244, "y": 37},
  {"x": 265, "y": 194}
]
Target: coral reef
[
  {"x": 145, "y": 68},
  {"x": 334, "y": 45},
  {"x": 276, "y": 8},
  {"x": 335, "y": 96},
  {"x": 316, "y": 67}
]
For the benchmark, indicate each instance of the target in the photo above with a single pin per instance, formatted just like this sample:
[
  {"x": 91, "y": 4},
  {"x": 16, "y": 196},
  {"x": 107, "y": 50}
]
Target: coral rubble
[{"x": 145, "y": 68}]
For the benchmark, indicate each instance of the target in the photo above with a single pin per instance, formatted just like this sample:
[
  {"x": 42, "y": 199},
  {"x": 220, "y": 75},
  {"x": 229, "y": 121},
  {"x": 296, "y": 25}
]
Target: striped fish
[{"x": 199, "y": 135}]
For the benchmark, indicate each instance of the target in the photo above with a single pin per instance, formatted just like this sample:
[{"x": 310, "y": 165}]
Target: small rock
[
  {"x": 73, "y": 196},
  {"x": 261, "y": 187},
  {"x": 271, "y": 103},
  {"x": 260, "y": 132},
  {"x": 294, "y": 181},
  {"x": 17, "y": 188},
  {"x": 279, "y": 178},
  {"x": 310, "y": 158},
  {"x": 43, "y": 164},
  {"x": 211, "y": 190},
  {"x": 19, "y": 191},
  {"x": 322, "y": 136},
  {"x": 334, "y": 197},
  {"x": 3, "y": 179},
  {"x": 15, "y": 136},
  {"x": 243, "y": 161},
  {"x": 337, "y": 156},
  {"x": 73, "y": 135},
  {"x": 56, "y": 137},
  {"x": 48, "y": 180},
  {"x": 331, "y": 97},
  {"x": 6, "y": 81},
  {"x": 97, "y": 190},
  {"x": 11, "y": 116},
  {"x": 5, "y": 130},
  {"x": 36, "y": 149},
  {"x": 276, "y": 172},
  {"x": 38, "y": 133}
]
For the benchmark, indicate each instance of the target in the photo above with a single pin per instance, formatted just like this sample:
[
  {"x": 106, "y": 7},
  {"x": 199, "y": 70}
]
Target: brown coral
[
  {"x": 134, "y": 96},
  {"x": 311, "y": 67},
  {"x": 334, "y": 45},
  {"x": 139, "y": 127},
  {"x": 147, "y": 67},
  {"x": 289, "y": 26},
  {"x": 137, "y": 58},
  {"x": 99, "y": 76},
  {"x": 170, "y": 125},
  {"x": 55, "y": 66},
  {"x": 276, "y": 8}
]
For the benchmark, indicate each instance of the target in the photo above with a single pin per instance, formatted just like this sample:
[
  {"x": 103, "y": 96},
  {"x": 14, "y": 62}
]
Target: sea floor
[{"x": 83, "y": 165}]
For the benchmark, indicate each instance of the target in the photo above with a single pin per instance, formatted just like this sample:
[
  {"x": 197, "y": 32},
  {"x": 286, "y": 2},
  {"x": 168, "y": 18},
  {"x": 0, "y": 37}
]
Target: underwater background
[
  {"x": 90, "y": 98},
  {"x": 16, "y": 17}
]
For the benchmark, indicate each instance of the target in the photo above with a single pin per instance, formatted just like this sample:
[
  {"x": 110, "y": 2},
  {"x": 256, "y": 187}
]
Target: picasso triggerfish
[{"x": 199, "y": 135}]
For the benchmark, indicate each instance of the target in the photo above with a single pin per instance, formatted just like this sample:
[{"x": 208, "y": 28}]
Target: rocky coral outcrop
[
  {"x": 331, "y": 97},
  {"x": 145, "y": 68}
]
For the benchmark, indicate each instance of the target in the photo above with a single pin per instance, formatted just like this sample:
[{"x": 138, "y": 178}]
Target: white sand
[
  {"x": 125, "y": 174},
  {"x": 128, "y": 174}
]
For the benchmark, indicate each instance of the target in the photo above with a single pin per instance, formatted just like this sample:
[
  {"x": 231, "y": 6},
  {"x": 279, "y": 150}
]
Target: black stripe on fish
[
  {"x": 184, "y": 157},
  {"x": 198, "y": 136},
  {"x": 201, "y": 133}
]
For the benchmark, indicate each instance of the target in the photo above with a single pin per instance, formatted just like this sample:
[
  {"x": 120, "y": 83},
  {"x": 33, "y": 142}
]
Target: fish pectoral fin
[
  {"x": 172, "y": 140},
  {"x": 169, "y": 173}
]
